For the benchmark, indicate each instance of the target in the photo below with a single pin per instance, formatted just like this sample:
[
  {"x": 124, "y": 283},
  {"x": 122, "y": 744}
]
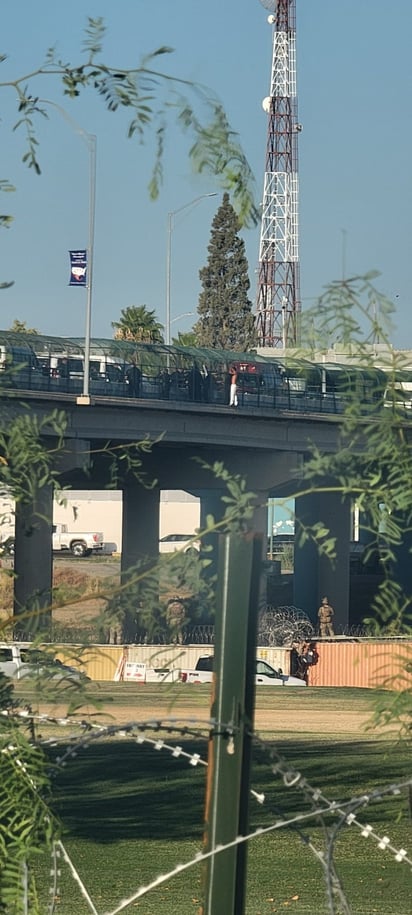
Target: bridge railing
[{"x": 187, "y": 375}]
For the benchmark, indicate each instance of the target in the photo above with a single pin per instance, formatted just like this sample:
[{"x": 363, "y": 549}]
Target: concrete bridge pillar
[
  {"x": 260, "y": 526},
  {"x": 315, "y": 575},
  {"x": 401, "y": 568},
  {"x": 140, "y": 540},
  {"x": 211, "y": 504},
  {"x": 33, "y": 564},
  {"x": 140, "y": 524}
]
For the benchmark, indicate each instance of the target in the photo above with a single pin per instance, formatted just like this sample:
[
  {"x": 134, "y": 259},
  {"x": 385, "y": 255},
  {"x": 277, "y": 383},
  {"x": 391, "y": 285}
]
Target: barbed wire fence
[
  {"x": 317, "y": 808},
  {"x": 278, "y": 627}
]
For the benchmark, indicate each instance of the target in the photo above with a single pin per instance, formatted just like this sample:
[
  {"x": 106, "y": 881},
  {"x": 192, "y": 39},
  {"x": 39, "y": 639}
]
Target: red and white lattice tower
[{"x": 278, "y": 294}]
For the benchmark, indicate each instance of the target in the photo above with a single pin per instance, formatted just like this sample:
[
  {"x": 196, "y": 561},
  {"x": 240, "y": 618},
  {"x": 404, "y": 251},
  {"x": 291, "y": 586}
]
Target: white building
[{"x": 101, "y": 510}]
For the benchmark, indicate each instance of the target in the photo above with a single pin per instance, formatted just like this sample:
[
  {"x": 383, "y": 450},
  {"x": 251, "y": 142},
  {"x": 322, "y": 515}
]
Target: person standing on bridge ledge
[
  {"x": 233, "y": 401},
  {"x": 134, "y": 376},
  {"x": 325, "y": 617}
]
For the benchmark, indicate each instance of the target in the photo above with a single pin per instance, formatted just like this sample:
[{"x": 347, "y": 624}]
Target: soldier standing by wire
[
  {"x": 175, "y": 618},
  {"x": 325, "y": 617}
]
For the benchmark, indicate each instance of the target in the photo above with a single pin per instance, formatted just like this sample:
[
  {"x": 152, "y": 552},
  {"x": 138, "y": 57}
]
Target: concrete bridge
[{"x": 267, "y": 448}]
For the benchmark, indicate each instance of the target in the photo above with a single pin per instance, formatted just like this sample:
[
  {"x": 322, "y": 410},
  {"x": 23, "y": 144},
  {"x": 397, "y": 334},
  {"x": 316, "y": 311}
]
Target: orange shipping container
[
  {"x": 341, "y": 662},
  {"x": 363, "y": 664}
]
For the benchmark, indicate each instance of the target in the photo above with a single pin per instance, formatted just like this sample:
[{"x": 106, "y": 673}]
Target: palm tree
[
  {"x": 20, "y": 327},
  {"x": 185, "y": 338},
  {"x": 138, "y": 323}
]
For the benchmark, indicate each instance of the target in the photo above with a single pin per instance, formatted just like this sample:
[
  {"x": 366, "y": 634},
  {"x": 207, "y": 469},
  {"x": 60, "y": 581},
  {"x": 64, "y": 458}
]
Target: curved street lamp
[
  {"x": 170, "y": 216},
  {"x": 186, "y": 314}
]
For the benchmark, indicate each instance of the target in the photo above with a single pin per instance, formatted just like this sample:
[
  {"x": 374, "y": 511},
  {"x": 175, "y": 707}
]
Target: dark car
[{"x": 7, "y": 547}]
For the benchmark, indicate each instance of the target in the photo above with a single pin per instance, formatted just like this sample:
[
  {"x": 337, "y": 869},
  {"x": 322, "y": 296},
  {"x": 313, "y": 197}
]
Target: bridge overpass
[
  {"x": 265, "y": 447},
  {"x": 179, "y": 401}
]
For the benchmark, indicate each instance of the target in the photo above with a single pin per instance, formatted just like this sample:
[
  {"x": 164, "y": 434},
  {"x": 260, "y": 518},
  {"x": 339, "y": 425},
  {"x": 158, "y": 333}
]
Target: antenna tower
[{"x": 278, "y": 296}]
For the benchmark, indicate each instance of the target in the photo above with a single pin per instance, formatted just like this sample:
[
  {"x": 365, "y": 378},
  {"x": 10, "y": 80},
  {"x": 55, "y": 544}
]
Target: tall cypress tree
[{"x": 225, "y": 311}]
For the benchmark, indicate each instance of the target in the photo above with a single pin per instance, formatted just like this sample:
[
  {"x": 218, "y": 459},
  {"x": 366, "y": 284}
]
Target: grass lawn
[{"x": 131, "y": 812}]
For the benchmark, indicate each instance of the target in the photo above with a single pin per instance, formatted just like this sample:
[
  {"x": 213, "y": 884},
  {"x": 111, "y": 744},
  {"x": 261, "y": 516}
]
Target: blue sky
[{"x": 354, "y": 88}]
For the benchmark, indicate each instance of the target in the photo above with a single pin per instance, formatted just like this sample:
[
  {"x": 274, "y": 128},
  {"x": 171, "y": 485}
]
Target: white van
[
  {"x": 20, "y": 362},
  {"x": 65, "y": 365},
  {"x": 399, "y": 395}
]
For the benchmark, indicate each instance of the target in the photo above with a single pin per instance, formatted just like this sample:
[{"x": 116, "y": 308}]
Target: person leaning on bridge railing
[{"x": 134, "y": 378}]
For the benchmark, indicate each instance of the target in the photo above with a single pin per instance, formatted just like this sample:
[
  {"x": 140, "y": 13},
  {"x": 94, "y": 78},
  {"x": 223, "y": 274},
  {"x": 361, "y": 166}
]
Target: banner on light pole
[{"x": 78, "y": 268}]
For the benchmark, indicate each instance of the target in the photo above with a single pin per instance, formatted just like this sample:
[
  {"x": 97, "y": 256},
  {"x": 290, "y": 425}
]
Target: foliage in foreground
[
  {"x": 372, "y": 465},
  {"x": 152, "y": 98},
  {"x": 373, "y": 468},
  {"x": 27, "y": 824}
]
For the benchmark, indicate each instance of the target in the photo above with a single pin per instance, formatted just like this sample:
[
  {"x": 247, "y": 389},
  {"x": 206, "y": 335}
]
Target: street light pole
[
  {"x": 91, "y": 142},
  {"x": 170, "y": 216}
]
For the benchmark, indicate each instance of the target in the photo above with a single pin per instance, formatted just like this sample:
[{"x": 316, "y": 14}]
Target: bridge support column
[
  {"x": 75, "y": 458},
  {"x": 401, "y": 568},
  {"x": 140, "y": 539},
  {"x": 33, "y": 564},
  {"x": 260, "y": 526},
  {"x": 211, "y": 504},
  {"x": 314, "y": 574}
]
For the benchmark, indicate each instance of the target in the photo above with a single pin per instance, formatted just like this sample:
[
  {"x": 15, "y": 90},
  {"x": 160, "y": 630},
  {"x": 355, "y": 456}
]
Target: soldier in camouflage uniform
[
  {"x": 325, "y": 617},
  {"x": 175, "y": 618}
]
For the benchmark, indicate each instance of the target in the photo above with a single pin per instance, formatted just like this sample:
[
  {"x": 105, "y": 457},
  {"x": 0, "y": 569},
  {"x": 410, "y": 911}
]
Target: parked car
[
  {"x": 184, "y": 542},
  {"x": 7, "y": 547}
]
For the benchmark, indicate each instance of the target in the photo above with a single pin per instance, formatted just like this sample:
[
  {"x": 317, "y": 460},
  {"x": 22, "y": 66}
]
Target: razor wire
[
  {"x": 277, "y": 627},
  {"x": 280, "y": 626},
  {"x": 344, "y": 812}
]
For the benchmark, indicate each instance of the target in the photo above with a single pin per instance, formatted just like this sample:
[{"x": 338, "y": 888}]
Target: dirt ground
[
  {"x": 270, "y": 716},
  {"x": 281, "y": 721}
]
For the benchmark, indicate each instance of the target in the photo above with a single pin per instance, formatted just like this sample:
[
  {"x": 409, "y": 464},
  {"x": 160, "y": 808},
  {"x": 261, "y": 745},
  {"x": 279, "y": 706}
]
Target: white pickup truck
[
  {"x": 20, "y": 660},
  {"x": 264, "y": 674},
  {"x": 79, "y": 543}
]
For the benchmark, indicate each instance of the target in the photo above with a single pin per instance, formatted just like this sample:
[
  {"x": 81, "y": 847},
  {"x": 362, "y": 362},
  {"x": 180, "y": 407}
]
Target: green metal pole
[
  {"x": 232, "y": 709},
  {"x": 250, "y": 690}
]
